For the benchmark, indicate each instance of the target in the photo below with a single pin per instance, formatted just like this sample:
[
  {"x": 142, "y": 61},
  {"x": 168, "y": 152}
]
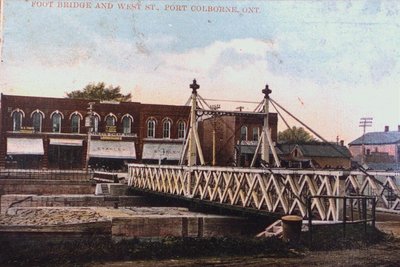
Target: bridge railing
[{"x": 273, "y": 190}]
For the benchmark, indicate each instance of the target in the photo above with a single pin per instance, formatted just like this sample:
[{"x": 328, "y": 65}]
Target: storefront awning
[
  {"x": 25, "y": 146},
  {"x": 161, "y": 151},
  {"x": 65, "y": 142},
  {"x": 112, "y": 149}
]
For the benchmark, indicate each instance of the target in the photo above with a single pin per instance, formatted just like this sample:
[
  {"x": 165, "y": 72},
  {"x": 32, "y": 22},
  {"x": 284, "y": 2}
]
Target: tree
[
  {"x": 100, "y": 92},
  {"x": 297, "y": 135}
]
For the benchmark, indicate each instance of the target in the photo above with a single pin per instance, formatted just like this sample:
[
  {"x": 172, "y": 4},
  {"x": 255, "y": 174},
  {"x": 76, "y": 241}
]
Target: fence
[
  {"x": 354, "y": 210},
  {"x": 74, "y": 175}
]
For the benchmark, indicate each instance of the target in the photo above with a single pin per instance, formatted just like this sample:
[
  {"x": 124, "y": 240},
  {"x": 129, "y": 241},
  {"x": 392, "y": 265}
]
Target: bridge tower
[
  {"x": 265, "y": 141},
  {"x": 193, "y": 140}
]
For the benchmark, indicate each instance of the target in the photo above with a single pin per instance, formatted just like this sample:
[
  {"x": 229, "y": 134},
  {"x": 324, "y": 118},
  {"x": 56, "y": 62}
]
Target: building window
[
  {"x": 75, "y": 123},
  {"x": 56, "y": 122},
  {"x": 17, "y": 120},
  {"x": 37, "y": 121},
  {"x": 96, "y": 123},
  {"x": 110, "y": 120},
  {"x": 151, "y": 126},
  {"x": 256, "y": 133},
  {"x": 181, "y": 129},
  {"x": 167, "y": 129},
  {"x": 243, "y": 133},
  {"x": 127, "y": 125}
]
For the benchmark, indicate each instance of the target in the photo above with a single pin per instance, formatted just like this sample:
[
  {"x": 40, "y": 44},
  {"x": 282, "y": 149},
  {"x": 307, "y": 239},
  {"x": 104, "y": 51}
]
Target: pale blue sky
[{"x": 329, "y": 62}]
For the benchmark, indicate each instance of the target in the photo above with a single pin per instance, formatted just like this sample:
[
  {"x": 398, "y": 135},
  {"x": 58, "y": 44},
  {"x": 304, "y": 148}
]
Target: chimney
[
  {"x": 398, "y": 128},
  {"x": 386, "y": 128},
  {"x": 342, "y": 142}
]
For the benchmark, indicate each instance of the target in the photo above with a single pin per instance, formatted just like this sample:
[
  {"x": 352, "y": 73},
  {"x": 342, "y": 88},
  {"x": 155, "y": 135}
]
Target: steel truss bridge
[
  {"x": 282, "y": 191},
  {"x": 268, "y": 189}
]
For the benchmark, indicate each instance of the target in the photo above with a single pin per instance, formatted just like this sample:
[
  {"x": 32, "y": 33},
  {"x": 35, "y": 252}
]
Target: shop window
[
  {"x": 37, "y": 121},
  {"x": 75, "y": 123},
  {"x": 181, "y": 129},
  {"x": 151, "y": 126},
  {"x": 17, "y": 120},
  {"x": 243, "y": 133},
  {"x": 167, "y": 129},
  {"x": 56, "y": 122}
]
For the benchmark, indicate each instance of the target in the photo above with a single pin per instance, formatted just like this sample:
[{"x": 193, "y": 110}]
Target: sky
[{"x": 329, "y": 63}]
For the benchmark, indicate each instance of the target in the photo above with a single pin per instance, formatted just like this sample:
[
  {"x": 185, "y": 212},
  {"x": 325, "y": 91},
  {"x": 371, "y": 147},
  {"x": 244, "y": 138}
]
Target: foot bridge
[{"x": 268, "y": 189}]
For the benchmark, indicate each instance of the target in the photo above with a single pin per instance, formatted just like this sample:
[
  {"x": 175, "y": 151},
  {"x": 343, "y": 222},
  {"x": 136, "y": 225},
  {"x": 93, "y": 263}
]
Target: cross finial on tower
[
  {"x": 194, "y": 86},
  {"x": 266, "y": 91}
]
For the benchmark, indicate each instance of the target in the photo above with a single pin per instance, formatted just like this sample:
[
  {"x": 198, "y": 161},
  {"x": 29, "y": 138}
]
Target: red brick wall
[{"x": 140, "y": 113}]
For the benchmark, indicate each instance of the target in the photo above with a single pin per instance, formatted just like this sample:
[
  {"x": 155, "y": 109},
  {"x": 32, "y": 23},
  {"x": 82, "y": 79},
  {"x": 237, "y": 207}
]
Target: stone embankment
[{"x": 134, "y": 222}]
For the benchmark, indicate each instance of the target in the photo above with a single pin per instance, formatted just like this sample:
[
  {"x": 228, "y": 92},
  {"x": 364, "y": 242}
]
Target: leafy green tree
[
  {"x": 99, "y": 91},
  {"x": 295, "y": 135}
]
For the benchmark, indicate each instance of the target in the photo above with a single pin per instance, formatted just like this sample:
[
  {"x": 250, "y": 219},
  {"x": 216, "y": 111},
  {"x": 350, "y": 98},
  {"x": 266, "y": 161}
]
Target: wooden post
[
  {"x": 89, "y": 135},
  {"x": 309, "y": 211},
  {"x": 344, "y": 217},
  {"x": 341, "y": 192}
]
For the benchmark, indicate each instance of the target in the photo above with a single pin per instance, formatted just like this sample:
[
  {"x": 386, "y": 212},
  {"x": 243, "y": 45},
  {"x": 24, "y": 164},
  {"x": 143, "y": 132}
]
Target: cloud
[{"x": 236, "y": 52}]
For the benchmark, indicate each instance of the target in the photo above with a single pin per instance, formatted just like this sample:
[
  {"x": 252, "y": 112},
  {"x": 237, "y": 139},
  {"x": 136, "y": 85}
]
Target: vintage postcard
[
  {"x": 329, "y": 62},
  {"x": 170, "y": 125}
]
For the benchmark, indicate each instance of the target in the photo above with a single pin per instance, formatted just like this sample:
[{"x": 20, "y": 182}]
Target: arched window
[
  {"x": 37, "y": 118},
  {"x": 94, "y": 123},
  {"x": 56, "y": 122},
  {"x": 110, "y": 121},
  {"x": 181, "y": 129},
  {"x": 17, "y": 120},
  {"x": 167, "y": 129},
  {"x": 75, "y": 123},
  {"x": 127, "y": 124},
  {"x": 151, "y": 128},
  {"x": 256, "y": 133},
  {"x": 96, "y": 120},
  {"x": 243, "y": 133}
]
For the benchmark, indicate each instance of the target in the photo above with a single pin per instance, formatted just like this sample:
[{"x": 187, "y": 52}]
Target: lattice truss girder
[
  {"x": 383, "y": 187},
  {"x": 272, "y": 191}
]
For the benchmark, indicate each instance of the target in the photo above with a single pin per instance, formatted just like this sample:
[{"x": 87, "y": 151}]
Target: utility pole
[
  {"x": 214, "y": 107},
  {"x": 239, "y": 158},
  {"x": 89, "y": 133},
  {"x": 364, "y": 123}
]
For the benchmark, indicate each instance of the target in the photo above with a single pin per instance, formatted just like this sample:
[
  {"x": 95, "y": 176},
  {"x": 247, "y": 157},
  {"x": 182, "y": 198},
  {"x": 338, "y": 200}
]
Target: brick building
[
  {"x": 236, "y": 137},
  {"x": 42, "y": 132},
  {"x": 382, "y": 149}
]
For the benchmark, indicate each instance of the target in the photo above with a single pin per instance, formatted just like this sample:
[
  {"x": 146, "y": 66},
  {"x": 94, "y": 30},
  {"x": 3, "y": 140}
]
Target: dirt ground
[
  {"x": 382, "y": 254},
  {"x": 386, "y": 254}
]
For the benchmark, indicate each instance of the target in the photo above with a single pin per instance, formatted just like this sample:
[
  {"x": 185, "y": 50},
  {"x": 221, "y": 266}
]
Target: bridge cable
[
  {"x": 359, "y": 166},
  {"x": 232, "y": 101}
]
